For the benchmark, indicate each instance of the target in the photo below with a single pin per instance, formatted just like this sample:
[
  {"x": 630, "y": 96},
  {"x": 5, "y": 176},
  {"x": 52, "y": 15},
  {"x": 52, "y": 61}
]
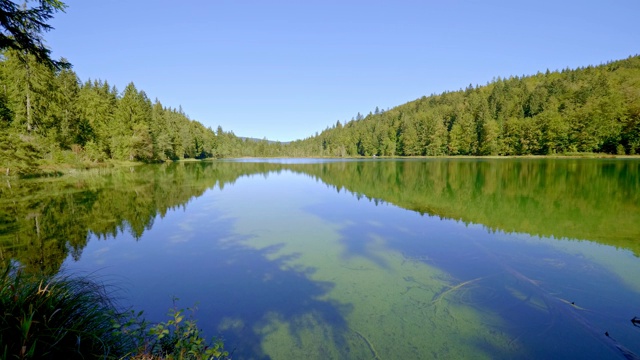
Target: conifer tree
[
  {"x": 64, "y": 108},
  {"x": 21, "y": 29}
]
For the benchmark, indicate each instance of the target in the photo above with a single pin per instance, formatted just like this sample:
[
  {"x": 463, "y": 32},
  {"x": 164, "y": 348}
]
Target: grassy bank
[{"x": 56, "y": 317}]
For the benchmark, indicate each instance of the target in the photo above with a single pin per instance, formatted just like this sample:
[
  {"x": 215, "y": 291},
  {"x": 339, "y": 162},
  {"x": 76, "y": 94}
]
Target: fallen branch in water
[
  {"x": 569, "y": 311},
  {"x": 440, "y": 295},
  {"x": 369, "y": 344}
]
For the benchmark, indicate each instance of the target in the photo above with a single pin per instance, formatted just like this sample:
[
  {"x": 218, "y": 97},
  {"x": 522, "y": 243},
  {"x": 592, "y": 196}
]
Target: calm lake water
[{"x": 374, "y": 259}]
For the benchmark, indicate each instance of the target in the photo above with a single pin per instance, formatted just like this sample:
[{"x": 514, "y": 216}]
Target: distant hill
[
  {"x": 261, "y": 140},
  {"x": 589, "y": 109}
]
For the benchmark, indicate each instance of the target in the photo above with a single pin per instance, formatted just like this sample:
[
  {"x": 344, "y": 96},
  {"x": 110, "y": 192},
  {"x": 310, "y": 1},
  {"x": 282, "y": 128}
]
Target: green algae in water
[
  {"x": 397, "y": 307},
  {"x": 284, "y": 265}
]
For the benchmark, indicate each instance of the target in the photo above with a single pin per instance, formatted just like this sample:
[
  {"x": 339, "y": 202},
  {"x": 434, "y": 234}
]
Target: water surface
[{"x": 446, "y": 258}]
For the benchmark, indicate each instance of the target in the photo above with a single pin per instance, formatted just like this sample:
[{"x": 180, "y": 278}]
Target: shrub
[{"x": 179, "y": 338}]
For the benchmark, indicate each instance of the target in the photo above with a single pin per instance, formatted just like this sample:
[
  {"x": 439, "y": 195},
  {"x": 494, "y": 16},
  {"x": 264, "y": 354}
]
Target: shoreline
[{"x": 55, "y": 170}]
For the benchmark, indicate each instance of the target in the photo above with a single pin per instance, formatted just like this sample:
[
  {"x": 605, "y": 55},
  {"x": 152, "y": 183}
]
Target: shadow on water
[
  {"x": 247, "y": 290},
  {"x": 243, "y": 294},
  {"x": 254, "y": 291}
]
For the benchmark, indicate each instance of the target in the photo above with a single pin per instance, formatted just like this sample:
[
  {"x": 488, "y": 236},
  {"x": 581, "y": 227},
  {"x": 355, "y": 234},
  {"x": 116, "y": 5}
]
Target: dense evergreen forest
[
  {"x": 48, "y": 116},
  {"x": 591, "y": 109}
]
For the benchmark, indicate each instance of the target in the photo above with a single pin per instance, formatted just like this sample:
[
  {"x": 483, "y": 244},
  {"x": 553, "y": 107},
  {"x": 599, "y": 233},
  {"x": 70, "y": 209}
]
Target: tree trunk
[{"x": 28, "y": 110}]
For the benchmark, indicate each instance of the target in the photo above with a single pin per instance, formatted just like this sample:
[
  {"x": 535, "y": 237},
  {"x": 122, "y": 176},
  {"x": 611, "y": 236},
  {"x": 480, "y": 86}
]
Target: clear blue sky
[{"x": 286, "y": 69}]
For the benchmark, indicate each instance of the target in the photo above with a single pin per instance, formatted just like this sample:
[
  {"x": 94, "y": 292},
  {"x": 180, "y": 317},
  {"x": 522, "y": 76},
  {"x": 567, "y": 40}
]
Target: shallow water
[{"x": 357, "y": 259}]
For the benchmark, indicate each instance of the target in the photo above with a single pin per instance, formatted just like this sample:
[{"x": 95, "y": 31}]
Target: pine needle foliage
[{"x": 53, "y": 317}]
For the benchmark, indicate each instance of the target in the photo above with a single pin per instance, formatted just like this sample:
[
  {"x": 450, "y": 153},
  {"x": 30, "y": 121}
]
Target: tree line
[
  {"x": 47, "y": 115},
  {"x": 589, "y": 109}
]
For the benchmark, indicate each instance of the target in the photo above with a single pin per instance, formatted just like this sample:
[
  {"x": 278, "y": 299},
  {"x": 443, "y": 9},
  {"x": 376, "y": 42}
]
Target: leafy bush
[{"x": 177, "y": 338}]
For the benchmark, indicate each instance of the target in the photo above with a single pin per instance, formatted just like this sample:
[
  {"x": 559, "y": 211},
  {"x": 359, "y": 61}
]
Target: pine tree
[
  {"x": 24, "y": 27},
  {"x": 160, "y": 132},
  {"x": 408, "y": 137},
  {"x": 96, "y": 105},
  {"x": 463, "y": 136},
  {"x": 29, "y": 91},
  {"x": 64, "y": 109},
  {"x": 131, "y": 137},
  {"x": 489, "y": 141}
]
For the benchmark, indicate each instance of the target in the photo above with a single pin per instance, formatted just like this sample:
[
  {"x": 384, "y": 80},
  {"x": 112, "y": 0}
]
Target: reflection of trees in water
[
  {"x": 42, "y": 221},
  {"x": 565, "y": 198}
]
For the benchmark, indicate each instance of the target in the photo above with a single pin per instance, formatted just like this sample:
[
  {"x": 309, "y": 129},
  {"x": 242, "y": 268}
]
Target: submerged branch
[
  {"x": 369, "y": 344},
  {"x": 570, "y": 311},
  {"x": 440, "y": 295}
]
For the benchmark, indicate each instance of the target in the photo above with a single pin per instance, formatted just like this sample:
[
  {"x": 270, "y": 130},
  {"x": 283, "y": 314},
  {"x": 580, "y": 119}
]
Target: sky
[{"x": 284, "y": 70}]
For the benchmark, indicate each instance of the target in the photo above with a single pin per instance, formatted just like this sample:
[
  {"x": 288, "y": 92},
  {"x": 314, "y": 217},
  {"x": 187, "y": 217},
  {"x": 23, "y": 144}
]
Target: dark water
[{"x": 384, "y": 259}]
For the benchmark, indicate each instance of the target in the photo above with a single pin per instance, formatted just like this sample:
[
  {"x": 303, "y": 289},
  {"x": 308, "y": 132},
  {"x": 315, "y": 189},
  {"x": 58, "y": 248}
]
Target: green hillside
[{"x": 590, "y": 109}]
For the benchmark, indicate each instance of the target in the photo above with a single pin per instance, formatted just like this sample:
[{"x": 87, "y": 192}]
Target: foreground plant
[
  {"x": 55, "y": 317},
  {"x": 61, "y": 317},
  {"x": 177, "y": 338}
]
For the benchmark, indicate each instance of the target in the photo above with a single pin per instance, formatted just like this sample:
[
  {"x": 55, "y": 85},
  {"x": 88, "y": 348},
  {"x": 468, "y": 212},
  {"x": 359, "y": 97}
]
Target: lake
[{"x": 357, "y": 259}]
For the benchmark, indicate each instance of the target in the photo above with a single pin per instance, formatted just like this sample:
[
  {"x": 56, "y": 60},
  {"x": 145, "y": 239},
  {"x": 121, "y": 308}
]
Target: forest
[
  {"x": 595, "y": 109},
  {"x": 49, "y": 116}
]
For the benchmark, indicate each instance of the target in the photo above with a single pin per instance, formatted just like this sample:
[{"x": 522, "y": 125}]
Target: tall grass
[
  {"x": 63, "y": 317},
  {"x": 56, "y": 317}
]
